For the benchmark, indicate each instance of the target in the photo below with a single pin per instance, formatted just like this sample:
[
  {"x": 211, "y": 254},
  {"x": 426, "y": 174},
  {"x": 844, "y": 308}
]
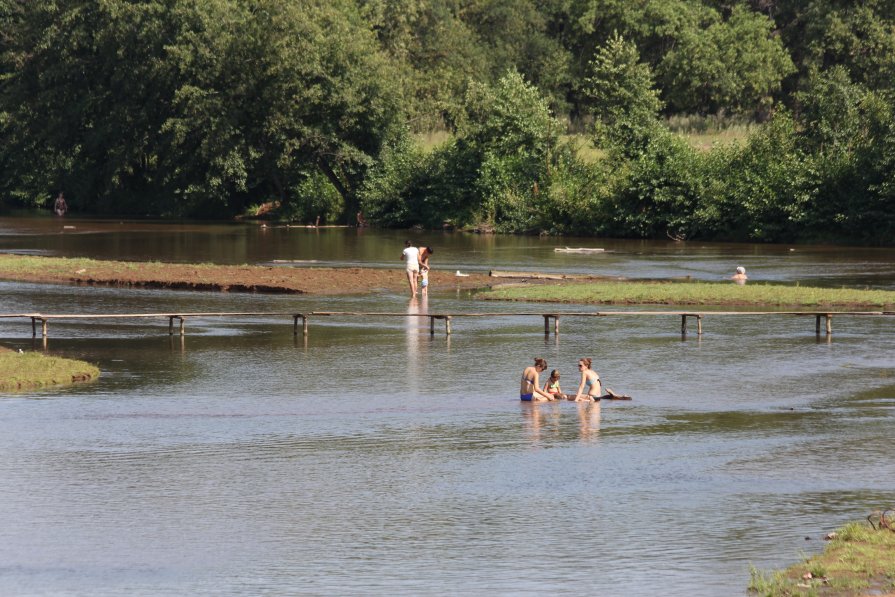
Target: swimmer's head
[
  {"x": 541, "y": 364},
  {"x": 554, "y": 374},
  {"x": 741, "y": 270}
]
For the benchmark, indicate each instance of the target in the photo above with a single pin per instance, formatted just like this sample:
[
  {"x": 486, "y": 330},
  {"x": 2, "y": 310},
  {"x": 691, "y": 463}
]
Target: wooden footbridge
[{"x": 552, "y": 317}]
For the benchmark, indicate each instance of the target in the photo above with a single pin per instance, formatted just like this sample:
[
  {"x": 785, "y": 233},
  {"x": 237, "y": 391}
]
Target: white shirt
[{"x": 412, "y": 257}]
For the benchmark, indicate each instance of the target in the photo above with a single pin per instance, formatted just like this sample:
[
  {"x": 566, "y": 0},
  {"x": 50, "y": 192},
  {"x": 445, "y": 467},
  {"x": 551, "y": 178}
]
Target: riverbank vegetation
[
  {"x": 858, "y": 560},
  {"x": 33, "y": 370},
  {"x": 202, "y": 109},
  {"x": 695, "y": 293}
]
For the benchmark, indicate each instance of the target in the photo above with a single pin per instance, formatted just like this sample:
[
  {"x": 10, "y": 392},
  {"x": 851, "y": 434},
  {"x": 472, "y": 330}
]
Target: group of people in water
[
  {"x": 416, "y": 265},
  {"x": 531, "y": 389}
]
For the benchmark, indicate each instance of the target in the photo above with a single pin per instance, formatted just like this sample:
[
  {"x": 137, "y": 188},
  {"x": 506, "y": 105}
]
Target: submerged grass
[
  {"x": 33, "y": 370},
  {"x": 694, "y": 293},
  {"x": 859, "y": 560}
]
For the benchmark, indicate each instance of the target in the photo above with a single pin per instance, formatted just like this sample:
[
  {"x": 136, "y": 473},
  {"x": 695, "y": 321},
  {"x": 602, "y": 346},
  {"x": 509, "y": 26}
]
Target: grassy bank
[
  {"x": 33, "y": 370},
  {"x": 694, "y": 293},
  {"x": 859, "y": 560}
]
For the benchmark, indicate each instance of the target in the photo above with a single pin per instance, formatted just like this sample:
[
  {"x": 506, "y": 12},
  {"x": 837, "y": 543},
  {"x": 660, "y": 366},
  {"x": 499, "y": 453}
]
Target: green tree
[{"x": 620, "y": 94}]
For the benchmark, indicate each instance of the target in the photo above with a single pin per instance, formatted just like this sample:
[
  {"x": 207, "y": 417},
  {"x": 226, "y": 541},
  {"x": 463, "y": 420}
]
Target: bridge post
[
  {"x": 829, "y": 317},
  {"x": 817, "y": 324},
  {"x": 683, "y": 324},
  {"x": 447, "y": 325},
  {"x": 44, "y": 327},
  {"x": 699, "y": 325},
  {"x": 432, "y": 325},
  {"x": 304, "y": 325}
]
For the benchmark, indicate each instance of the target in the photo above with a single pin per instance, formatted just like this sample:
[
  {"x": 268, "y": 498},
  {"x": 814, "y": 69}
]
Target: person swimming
[
  {"x": 529, "y": 390},
  {"x": 740, "y": 276}
]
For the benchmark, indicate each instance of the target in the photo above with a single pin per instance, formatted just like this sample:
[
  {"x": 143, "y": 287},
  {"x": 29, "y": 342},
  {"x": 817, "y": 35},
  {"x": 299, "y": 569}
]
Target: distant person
[
  {"x": 424, "y": 282},
  {"x": 411, "y": 258},
  {"x": 424, "y": 266},
  {"x": 529, "y": 390},
  {"x": 551, "y": 386},
  {"x": 740, "y": 276},
  {"x": 590, "y": 389},
  {"x": 60, "y": 206},
  {"x": 361, "y": 221}
]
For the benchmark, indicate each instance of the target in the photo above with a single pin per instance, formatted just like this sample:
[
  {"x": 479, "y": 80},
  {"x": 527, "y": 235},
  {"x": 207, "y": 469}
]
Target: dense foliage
[{"x": 204, "y": 107}]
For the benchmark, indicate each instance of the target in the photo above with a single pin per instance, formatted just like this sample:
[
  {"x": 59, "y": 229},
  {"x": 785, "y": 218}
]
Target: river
[{"x": 373, "y": 458}]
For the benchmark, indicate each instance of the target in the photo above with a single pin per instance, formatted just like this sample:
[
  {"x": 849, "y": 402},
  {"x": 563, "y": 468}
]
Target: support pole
[
  {"x": 683, "y": 324},
  {"x": 817, "y": 324},
  {"x": 44, "y": 327},
  {"x": 546, "y": 325},
  {"x": 34, "y": 327},
  {"x": 829, "y": 324},
  {"x": 181, "y": 326},
  {"x": 447, "y": 325},
  {"x": 556, "y": 325},
  {"x": 304, "y": 326},
  {"x": 699, "y": 324},
  {"x": 171, "y": 326},
  {"x": 295, "y": 325},
  {"x": 432, "y": 325}
]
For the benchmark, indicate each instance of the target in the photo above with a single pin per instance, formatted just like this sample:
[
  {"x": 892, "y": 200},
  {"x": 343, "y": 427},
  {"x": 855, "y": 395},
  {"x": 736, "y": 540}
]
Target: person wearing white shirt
[{"x": 411, "y": 258}]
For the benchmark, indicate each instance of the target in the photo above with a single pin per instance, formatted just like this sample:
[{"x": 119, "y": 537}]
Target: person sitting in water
[
  {"x": 590, "y": 388},
  {"x": 530, "y": 390},
  {"x": 740, "y": 276},
  {"x": 551, "y": 386}
]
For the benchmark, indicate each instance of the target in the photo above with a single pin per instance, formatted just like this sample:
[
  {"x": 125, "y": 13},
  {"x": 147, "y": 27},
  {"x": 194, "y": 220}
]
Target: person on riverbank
[
  {"x": 60, "y": 206},
  {"x": 589, "y": 389},
  {"x": 530, "y": 390},
  {"x": 740, "y": 276},
  {"x": 551, "y": 386},
  {"x": 411, "y": 258}
]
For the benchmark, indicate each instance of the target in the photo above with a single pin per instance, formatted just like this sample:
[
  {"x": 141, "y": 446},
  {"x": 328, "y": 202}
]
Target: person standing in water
[
  {"x": 425, "y": 252},
  {"x": 60, "y": 206},
  {"x": 740, "y": 276},
  {"x": 590, "y": 389},
  {"x": 411, "y": 258},
  {"x": 529, "y": 390}
]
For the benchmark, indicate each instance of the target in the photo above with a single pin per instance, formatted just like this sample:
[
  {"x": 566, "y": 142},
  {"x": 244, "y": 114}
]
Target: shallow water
[{"x": 374, "y": 458}]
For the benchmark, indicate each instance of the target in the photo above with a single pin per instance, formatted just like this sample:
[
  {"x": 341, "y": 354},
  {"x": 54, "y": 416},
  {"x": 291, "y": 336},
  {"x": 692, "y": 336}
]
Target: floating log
[
  {"x": 540, "y": 276},
  {"x": 577, "y": 250}
]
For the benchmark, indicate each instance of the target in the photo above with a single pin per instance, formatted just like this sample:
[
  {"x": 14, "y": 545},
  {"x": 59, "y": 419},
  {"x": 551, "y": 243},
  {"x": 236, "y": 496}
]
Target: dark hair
[
  {"x": 407, "y": 243},
  {"x": 540, "y": 363},
  {"x": 586, "y": 362},
  {"x": 555, "y": 374},
  {"x": 429, "y": 250}
]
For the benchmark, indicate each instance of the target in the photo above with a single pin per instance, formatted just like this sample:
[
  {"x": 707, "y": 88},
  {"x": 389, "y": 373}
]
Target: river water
[{"x": 373, "y": 458}]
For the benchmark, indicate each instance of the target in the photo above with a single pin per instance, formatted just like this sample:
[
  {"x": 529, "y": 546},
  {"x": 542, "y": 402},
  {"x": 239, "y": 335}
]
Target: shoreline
[{"x": 27, "y": 371}]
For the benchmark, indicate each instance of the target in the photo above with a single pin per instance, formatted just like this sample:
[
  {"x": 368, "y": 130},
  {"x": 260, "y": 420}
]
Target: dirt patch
[{"x": 224, "y": 278}]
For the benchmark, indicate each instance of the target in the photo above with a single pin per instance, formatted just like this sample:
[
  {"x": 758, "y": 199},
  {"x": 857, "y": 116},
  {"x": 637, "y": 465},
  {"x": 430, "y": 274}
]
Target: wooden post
[
  {"x": 171, "y": 325},
  {"x": 432, "y": 325},
  {"x": 683, "y": 324},
  {"x": 699, "y": 325},
  {"x": 304, "y": 326},
  {"x": 181, "y": 326},
  {"x": 556, "y": 325},
  {"x": 546, "y": 325},
  {"x": 817, "y": 325},
  {"x": 447, "y": 325},
  {"x": 295, "y": 325},
  {"x": 44, "y": 327},
  {"x": 34, "y": 327},
  {"x": 829, "y": 324}
]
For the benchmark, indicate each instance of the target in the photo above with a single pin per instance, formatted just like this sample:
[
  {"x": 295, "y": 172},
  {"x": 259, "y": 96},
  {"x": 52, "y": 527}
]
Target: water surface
[{"x": 373, "y": 458}]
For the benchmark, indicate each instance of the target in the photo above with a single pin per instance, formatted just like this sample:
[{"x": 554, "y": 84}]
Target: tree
[{"x": 620, "y": 94}]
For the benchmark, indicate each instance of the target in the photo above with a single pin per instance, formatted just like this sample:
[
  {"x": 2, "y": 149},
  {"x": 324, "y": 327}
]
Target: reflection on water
[{"x": 370, "y": 457}]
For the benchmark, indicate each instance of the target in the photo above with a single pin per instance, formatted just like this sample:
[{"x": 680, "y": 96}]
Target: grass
[
  {"x": 859, "y": 560},
  {"x": 33, "y": 370},
  {"x": 693, "y": 293}
]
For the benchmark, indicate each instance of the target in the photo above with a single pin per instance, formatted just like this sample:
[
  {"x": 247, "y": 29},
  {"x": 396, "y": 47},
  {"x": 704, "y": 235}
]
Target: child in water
[
  {"x": 551, "y": 386},
  {"x": 424, "y": 280}
]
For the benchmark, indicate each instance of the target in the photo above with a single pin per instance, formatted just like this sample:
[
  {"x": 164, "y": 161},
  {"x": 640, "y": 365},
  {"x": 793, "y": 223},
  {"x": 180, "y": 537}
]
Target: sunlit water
[{"x": 374, "y": 458}]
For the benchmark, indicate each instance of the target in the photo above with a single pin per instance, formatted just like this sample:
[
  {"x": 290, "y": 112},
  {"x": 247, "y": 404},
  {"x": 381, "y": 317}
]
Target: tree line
[{"x": 201, "y": 108}]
